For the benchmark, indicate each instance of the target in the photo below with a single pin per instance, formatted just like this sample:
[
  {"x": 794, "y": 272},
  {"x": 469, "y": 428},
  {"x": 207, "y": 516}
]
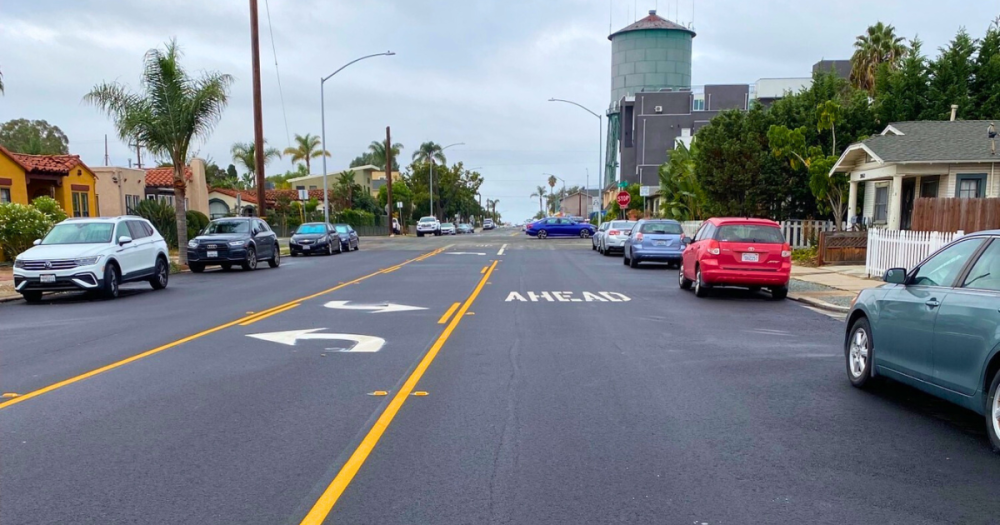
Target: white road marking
[
  {"x": 567, "y": 297},
  {"x": 465, "y": 253},
  {"x": 502, "y": 248},
  {"x": 362, "y": 343},
  {"x": 374, "y": 308}
]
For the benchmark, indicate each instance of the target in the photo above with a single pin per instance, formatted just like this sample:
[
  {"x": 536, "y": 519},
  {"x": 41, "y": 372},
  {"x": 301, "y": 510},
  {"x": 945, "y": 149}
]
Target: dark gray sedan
[{"x": 315, "y": 238}]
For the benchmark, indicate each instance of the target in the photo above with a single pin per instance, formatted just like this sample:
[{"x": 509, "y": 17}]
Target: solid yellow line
[
  {"x": 484, "y": 269},
  {"x": 329, "y": 498},
  {"x": 444, "y": 318},
  {"x": 249, "y": 322},
  {"x": 147, "y": 353}
]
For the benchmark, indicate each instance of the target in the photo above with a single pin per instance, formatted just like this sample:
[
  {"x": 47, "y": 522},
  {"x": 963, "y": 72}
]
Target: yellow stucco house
[{"x": 65, "y": 178}]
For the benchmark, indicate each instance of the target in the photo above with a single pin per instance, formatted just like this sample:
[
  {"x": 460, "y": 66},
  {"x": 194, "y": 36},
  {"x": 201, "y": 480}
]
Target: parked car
[
  {"x": 314, "y": 238},
  {"x": 234, "y": 240},
  {"x": 488, "y": 224},
  {"x": 348, "y": 237},
  {"x": 428, "y": 225},
  {"x": 654, "y": 240},
  {"x": 751, "y": 253},
  {"x": 613, "y": 240},
  {"x": 95, "y": 255},
  {"x": 448, "y": 228},
  {"x": 595, "y": 241},
  {"x": 936, "y": 328},
  {"x": 560, "y": 227},
  {"x": 466, "y": 228}
]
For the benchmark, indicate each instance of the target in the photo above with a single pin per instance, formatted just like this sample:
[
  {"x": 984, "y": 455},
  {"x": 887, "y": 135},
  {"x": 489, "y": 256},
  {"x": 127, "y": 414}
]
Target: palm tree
[
  {"x": 345, "y": 185},
  {"x": 1, "y": 81},
  {"x": 305, "y": 149},
  {"x": 170, "y": 110},
  {"x": 878, "y": 45},
  {"x": 429, "y": 152},
  {"x": 540, "y": 193},
  {"x": 377, "y": 150},
  {"x": 244, "y": 154}
]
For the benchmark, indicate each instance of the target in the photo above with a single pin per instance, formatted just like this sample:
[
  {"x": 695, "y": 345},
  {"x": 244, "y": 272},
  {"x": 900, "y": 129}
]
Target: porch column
[
  {"x": 852, "y": 203},
  {"x": 895, "y": 202}
]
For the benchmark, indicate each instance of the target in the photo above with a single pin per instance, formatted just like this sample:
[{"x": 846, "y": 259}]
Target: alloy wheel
[
  {"x": 996, "y": 414},
  {"x": 543, "y": 234},
  {"x": 858, "y": 359},
  {"x": 162, "y": 274}
]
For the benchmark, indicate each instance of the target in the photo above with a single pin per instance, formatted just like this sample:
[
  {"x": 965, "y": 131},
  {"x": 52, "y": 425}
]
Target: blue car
[
  {"x": 654, "y": 240},
  {"x": 936, "y": 328},
  {"x": 560, "y": 227}
]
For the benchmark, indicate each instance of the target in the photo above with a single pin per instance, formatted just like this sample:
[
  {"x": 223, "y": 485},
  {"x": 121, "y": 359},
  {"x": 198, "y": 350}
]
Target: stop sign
[{"x": 624, "y": 198}]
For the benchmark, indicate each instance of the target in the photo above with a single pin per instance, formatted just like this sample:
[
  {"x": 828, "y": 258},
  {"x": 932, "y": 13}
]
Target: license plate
[
  {"x": 659, "y": 243},
  {"x": 751, "y": 257},
  {"x": 48, "y": 278},
  {"x": 212, "y": 255},
  {"x": 306, "y": 248}
]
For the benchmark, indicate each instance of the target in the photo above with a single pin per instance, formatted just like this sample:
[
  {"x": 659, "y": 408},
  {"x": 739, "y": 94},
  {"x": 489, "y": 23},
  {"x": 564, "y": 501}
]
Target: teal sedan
[{"x": 935, "y": 327}]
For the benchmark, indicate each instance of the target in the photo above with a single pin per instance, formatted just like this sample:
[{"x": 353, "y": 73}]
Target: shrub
[
  {"x": 163, "y": 217},
  {"x": 196, "y": 221},
  {"x": 355, "y": 218},
  {"x": 19, "y": 227},
  {"x": 805, "y": 256},
  {"x": 50, "y": 207}
]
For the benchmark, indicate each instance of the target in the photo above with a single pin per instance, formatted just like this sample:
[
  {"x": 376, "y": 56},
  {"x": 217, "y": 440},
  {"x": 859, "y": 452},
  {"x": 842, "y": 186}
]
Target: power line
[{"x": 281, "y": 94}]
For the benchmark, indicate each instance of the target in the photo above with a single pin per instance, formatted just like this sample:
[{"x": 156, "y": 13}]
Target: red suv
[{"x": 737, "y": 252}]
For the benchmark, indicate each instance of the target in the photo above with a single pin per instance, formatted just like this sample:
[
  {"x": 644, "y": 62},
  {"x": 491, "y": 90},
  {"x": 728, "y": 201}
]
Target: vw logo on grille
[{"x": 48, "y": 265}]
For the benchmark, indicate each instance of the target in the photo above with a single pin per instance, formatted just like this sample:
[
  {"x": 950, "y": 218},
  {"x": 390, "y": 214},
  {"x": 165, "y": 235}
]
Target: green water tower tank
[{"x": 651, "y": 54}]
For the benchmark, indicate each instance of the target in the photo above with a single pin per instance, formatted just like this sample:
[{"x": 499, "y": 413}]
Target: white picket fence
[
  {"x": 902, "y": 249},
  {"x": 798, "y": 233}
]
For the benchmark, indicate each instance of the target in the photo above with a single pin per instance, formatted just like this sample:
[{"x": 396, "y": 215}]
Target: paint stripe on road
[
  {"x": 502, "y": 248},
  {"x": 317, "y": 515},
  {"x": 265, "y": 315},
  {"x": 447, "y": 315}
]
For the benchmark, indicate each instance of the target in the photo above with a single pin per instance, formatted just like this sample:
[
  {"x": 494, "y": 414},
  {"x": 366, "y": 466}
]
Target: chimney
[
  {"x": 954, "y": 111},
  {"x": 652, "y": 12}
]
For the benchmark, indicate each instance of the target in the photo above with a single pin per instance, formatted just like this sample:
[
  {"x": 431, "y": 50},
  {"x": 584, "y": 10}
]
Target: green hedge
[
  {"x": 20, "y": 225},
  {"x": 196, "y": 221},
  {"x": 354, "y": 217},
  {"x": 163, "y": 217}
]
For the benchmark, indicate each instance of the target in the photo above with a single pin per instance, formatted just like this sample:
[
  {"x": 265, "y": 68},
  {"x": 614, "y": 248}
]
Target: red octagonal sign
[{"x": 624, "y": 198}]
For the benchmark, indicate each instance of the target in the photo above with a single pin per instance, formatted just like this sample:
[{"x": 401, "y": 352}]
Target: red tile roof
[
  {"x": 250, "y": 196},
  {"x": 158, "y": 177},
  {"x": 52, "y": 164}
]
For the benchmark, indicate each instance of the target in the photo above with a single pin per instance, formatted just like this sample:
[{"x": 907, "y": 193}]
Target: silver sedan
[
  {"x": 595, "y": 240},
  {"x": 613, "y": 240}
]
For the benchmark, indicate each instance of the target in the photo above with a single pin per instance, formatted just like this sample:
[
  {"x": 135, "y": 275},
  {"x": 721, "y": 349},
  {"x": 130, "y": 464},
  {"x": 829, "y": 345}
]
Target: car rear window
[
  {"x": 622, "y": 225},
  {"x": 750, "y": 233},
  {"x": 662, "y": 228}
]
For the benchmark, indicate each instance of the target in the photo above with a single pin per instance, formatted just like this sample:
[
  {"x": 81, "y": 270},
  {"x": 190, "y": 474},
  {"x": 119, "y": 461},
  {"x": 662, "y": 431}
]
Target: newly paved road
[{"x": 564, "y": 387}]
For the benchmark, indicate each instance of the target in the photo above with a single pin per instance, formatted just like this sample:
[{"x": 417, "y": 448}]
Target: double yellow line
[
  {"x": 243, "y": 321},
  {"x": 321, "y": 509}
]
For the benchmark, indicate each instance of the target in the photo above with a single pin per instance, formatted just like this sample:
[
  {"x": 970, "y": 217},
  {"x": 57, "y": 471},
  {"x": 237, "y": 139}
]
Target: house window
[
  {"x": 699, "y": 104},
  {"x": 881, "y": 204},
  {"x": 131, "y": 201},
  {"x": 4, "y": 195},
  {"x": 81, "y": 204},
  {"x": 971, "y": 186},
  {"x": 929, "y": 187}
]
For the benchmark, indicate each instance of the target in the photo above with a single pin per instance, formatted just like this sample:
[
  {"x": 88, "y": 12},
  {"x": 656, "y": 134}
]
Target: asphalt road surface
[{"x": 528, "y": 382}]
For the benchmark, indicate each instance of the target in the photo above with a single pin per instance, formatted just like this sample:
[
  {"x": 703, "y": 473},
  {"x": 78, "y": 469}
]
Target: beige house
[
  {"x": 364, "y": 176},
  {"x": 120, "y": 189},
  {"x": 916, "y": 159}
]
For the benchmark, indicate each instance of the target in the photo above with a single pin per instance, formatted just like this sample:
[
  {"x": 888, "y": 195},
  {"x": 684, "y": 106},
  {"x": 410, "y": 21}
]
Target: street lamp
[
  {"x": 600, "y": 139},
  {"x": 322, "y": 112},
  {"x": 430, "y": 184}
]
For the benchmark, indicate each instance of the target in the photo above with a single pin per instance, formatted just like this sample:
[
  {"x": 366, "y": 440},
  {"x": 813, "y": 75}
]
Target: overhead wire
[{"x": 281, "y": 94}]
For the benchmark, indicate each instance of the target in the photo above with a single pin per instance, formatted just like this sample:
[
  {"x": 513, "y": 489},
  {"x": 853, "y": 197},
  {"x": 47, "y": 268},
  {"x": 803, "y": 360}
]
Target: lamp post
[
  {"x": 322, "y": 112},
  {"x": 430, "y": 184},
  {"x": 600, "y": 139}
]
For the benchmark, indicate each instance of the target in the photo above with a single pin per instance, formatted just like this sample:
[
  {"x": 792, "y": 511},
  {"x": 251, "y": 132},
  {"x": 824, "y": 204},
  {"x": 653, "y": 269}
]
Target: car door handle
[{"x": 933, "y": 303}]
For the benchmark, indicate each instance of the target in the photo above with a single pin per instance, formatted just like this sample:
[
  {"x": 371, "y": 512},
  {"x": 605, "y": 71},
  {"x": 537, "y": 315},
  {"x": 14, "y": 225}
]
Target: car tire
[
  {"x": 275, "y": 260},
  {"x": 682, "y": 281},
  {"x": 32, "y": 296},
  {"x": 778, "y": 293},
  {"x": 625, "y": 258},
  {"x": 700, "y": 288},
  {"x": 250, "y": 263},
  {"x": 111, "y": 289},
  {"x": 993, "y": 412},
  {"x": 198, "y": 267},
  {"x": 437, "y": 233},
  {"x": 593, "y": 247},
  {"x": 542, "y": 234},
  {"x": 858, "y": 353},
  {"x": 584, "y": 234},
  {"x": 633, "y": 262},
  {"x": 161, "y": 274},
  {"x": 357, "y": 246}
]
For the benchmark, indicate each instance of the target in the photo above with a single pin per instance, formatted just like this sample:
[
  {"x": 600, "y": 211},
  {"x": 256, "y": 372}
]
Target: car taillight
[
  {"x": 713, "y": 247},
  {"x": 638, "y": 237},
  {"x": 786, "y": 253},
  {"x": 612, "y": 232}
]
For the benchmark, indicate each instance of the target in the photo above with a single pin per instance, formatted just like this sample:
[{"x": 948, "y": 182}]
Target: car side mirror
[
  {"x": 36, "y": 242},
  {"x": 686, "y": 241},
  {"x": 895, "y": 276},
  {"x": 123, "y": 240}
]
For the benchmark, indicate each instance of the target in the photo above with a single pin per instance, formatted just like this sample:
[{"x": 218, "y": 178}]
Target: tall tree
[
  {"x": 170, "y": 110},
  {"x": 347, "y": 187},
  {"x": 377, "y": 151},
  {"x": 951, "y": 77},
  {"x": 901, "y": 94},
  {"x": 244, "y": 154},
  {"x": 878, "y": 45},
  {"x": 540, "y": 193},
  {"x": 680, "y": 193},
  {"x": 1, "y": 81},
  {"x": 306, "y": 148},
  {"x": 429, "y": 152},
  {"x": 33, "y": 137},
  {"x": 986, "y": 76}
]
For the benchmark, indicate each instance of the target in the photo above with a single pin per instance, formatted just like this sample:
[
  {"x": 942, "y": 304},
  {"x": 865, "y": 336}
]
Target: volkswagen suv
[{"x": 95, "y": 255}]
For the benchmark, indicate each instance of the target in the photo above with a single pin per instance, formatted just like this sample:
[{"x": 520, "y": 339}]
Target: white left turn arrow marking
[
  {"x": 362, "y": 343},
  {"x": 374, "y": 308}
]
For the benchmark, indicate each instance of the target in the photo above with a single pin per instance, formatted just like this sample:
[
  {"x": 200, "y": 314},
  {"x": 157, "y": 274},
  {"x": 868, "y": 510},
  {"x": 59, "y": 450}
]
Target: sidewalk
[
  {"x": 7, "y": 292},
  {"x": 829, "y": 287}
]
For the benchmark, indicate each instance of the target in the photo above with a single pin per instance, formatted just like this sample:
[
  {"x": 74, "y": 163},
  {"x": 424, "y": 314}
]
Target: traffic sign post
[{"x": 624, "y": 199}]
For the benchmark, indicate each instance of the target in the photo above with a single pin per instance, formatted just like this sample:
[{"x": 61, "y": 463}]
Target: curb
[
  {"x": 10, "y": 298},
  {"x": 819, "y": 304}
]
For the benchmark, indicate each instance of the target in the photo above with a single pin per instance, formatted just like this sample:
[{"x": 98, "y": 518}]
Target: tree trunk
[
  {"x": 180, "y": 192},
  {"x": 308, "y": 170}
]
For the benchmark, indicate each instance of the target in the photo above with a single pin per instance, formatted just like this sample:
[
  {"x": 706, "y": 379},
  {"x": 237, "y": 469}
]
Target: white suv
[
  {"x": 428, "y": 225},
  {"x": 93, "y": 255}
]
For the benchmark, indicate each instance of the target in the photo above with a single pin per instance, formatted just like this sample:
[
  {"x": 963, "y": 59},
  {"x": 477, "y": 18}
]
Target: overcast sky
[{"x": 472, "y": 71}]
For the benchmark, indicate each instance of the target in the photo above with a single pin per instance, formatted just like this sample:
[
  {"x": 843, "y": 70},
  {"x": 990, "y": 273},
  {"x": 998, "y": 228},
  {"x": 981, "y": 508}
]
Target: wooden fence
[
  {"x": 953, "y": 214},
  {"x": 902, "y": 248},
  {"x": 842, "y": 247}
]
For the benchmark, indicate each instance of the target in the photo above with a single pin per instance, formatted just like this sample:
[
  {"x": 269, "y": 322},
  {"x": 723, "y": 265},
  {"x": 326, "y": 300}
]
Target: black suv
[{"x": 234, "y": 240}]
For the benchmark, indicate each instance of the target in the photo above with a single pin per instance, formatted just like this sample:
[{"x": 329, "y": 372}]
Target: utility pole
[
  {"x": 390, "y": 204},
  {"x": 106, "y": 160},
  {"x": 258, "y": 118}
]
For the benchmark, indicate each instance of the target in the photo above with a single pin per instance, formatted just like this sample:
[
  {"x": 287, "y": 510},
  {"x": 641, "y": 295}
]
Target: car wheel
[
  {"x": 329, "y": 249},
  {"x": 593, "y": 246},
  {"x": 624, "y": 258},
  {"x": 542, "y": 234},
  {"x": 584, "y": 234},
  {"x": 251, "y": 262},
  {"x": 633, "y": 262},
  {"x": 684, "y": 282},
  {"x": 161, "y": 275},
  {"x": 993, "y": 412},
  {"x": 198, "y": 267},
  {"x": 32, "y": 296},
  {"x": 858, "y": 351},
  {"x": 275, "y": 261},
  {"x": 437, "y": 233},
  {"x": 110, "y": 290},
  {"x": 700, "y": 288},
  {"x": 357, "y": 246},
  {"x": 778, "y": 293}
]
